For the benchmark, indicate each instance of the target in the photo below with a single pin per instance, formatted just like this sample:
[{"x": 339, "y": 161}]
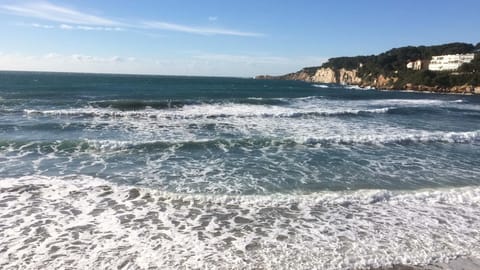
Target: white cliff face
[
  {"x": 338, "y": 76},
  {"x": 342, "y": 76},
  {"x": 324, "y": 75},
  {"x": 349, "y": 77}
]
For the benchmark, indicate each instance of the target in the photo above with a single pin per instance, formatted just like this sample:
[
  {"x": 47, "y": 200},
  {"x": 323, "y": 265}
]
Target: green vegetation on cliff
[{"x": 442, "y": 79}]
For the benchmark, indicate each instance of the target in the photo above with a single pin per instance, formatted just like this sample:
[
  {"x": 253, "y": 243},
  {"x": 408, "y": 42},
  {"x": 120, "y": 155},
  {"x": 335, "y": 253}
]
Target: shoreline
[
  {"x": 472, "y": 90},
  {"x": 457, "y": 90},
  {"x": 473, "y": 93},
  {"x": 135, "y": 214},
  {"x": 459, "y": 263}
]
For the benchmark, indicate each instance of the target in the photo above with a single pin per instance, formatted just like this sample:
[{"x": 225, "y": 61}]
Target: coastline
[
  {"x": 429, "y": 90},
  {"x": 446, "y": 68},
  {"x": 409, "y": 87},
  {"x": 460, "y": 263},
  {"x": 257, "y": 174},
  {"x": 458, "y": 90}
]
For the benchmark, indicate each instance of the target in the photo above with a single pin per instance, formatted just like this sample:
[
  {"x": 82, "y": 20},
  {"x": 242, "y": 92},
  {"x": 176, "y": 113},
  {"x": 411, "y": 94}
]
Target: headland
[{"x": 447, "y": 68}]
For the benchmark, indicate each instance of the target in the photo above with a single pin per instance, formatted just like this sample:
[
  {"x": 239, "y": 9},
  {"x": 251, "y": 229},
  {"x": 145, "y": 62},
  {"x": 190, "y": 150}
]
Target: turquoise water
[{"x": 242, "y": 171}]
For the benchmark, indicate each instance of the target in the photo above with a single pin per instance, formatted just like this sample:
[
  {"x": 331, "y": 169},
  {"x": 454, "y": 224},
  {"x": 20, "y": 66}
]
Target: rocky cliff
[
  {"x": 336, "y": 76},
  {"x": 389, "y": 70},
  {"x": 351, "y": 77},
  {"x": 320, "y": 75}
]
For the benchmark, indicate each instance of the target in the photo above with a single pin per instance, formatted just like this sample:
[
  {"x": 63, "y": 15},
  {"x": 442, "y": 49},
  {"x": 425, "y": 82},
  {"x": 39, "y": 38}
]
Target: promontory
[{"x": 449, "y": 68}]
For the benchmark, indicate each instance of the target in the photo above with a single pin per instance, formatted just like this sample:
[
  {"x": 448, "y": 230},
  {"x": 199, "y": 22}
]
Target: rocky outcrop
[
  {"x": 324, "y": 75},
  {"x": 348, "y": 77},
  {"x": 461, "y": 89},
  {"x": 384, "y": 82},
  {"x": 302, "y": 75},
  {"x": 321, "y": 75},
  {"x": 341, "y": 76}
]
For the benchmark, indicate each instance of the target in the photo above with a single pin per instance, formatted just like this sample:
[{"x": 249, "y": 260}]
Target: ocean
[{"x": 160, "y": 172}]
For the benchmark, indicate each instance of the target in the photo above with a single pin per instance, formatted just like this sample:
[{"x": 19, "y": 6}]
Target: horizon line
[{"x": 125, "y": 74}]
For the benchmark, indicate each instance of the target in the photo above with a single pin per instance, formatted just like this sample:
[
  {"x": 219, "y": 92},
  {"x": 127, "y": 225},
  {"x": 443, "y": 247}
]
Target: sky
[{"x": 218, "y": 37}]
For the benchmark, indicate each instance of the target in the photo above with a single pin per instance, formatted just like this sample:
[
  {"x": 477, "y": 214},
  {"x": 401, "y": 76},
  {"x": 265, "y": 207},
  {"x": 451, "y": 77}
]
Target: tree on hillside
[
  {"x": 452, "y": 48},
  {"x": 473, "y": 66}
]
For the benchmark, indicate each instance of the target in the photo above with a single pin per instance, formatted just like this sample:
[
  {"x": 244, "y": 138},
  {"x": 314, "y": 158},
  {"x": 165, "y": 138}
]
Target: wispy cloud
[
  {"x": 71, "y": 19},
  {"x": 89, "y": 28},
  {"x": 96, "y": 59},
  {"x": 51, "y": 12},
  {"x": 70, "y": 63},
  {"x": 98, "y": 28},
  {"x": 189, "y": 64},
  {"x": 254, "y": 64},
  {"x": 52, "y": 56},
  {"x": 65, "y": 27},
  {"x": 198, "y": 30},
  {"x": 44, "y": 26}
]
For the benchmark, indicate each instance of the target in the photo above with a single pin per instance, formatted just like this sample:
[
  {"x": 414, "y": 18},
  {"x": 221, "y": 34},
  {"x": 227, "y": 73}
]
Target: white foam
[
  {"x": 296, "y": 106},
  {"x": 320, "y": 85},
  {"x": 356, "y": 87},
  {"x": 410, "y": 102},
  {"x": 414, "y": 136},
  {"x": 84, "y": 223},
  {"x": 210, "y": 110}
]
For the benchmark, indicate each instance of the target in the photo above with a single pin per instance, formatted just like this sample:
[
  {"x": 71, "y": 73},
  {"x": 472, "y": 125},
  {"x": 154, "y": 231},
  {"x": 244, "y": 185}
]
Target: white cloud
[
  {"x": 197, "y": 29},
  {"x": 251, "y": 65},
  {"x": 97, "y": 59},
  {"x": 68, "y": 63},
  {"x": 98, "y": 28},
  {"x": 52, "y": 55},
  {"x": 81, "y": 58},
  {"x": 117, "y": 59},
  {"x": 44, "y": 26},
  {"x": 188, "y": 64},
  {"x": 71, "y": 19},
  {"x": 51, "y": 12},
  {"x": 65, "y": 27}
]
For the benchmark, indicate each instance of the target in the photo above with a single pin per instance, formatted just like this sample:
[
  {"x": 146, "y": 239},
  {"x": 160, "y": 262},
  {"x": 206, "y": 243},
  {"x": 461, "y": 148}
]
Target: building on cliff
[
  {"x": 449, "y": 62},
  {"x": 418, "y": 64}
]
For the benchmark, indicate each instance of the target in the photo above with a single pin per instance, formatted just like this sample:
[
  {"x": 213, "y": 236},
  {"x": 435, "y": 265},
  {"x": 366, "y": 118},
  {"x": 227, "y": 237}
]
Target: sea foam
[{"x": 48, "y": 221}]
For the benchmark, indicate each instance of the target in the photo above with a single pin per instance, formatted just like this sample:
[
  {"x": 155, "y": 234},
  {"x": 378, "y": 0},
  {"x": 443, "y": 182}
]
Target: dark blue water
[
  {"x": 315, "y": 176},
  {"x": 226, "y": 135}
]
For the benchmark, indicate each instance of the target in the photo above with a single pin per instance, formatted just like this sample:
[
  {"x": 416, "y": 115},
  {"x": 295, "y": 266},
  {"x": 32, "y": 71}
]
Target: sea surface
[{"x": 161, "y": 172}]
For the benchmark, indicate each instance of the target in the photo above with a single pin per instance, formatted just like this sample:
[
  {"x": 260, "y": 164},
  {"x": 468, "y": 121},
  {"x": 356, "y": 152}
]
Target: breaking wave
[
  {"x": 374, "y": 139},
  {"x": 212, "y": 112}
]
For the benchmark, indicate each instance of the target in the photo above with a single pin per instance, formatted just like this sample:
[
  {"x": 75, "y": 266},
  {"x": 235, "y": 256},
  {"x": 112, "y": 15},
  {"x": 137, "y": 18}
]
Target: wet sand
[{"x": 467, "y": 263}]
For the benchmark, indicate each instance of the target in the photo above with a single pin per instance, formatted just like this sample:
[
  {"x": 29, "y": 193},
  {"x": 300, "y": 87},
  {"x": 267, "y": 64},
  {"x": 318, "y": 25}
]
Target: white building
[
  {"x": 418, "y": 64},
  {"x": 450, "y": 61}
]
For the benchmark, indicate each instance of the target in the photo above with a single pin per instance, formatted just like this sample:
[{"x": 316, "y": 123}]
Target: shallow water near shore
[{"x": 169, "y": 172}]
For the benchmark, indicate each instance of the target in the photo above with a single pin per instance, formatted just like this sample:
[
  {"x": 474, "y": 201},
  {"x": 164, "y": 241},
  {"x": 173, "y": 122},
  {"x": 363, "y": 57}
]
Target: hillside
[{"x": 389, "y": 70}]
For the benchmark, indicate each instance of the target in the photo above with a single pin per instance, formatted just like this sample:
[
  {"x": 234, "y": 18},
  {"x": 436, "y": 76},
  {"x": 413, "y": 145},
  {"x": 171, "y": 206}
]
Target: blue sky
[{"x": 220, "y": 38}]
